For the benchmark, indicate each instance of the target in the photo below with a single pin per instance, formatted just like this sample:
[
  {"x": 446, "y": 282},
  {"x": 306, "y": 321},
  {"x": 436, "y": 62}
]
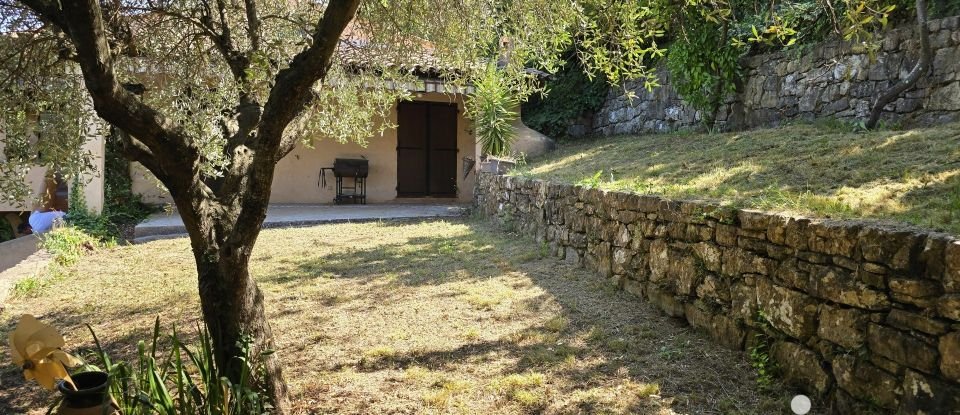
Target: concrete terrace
[{"x": 166, "y": 225}]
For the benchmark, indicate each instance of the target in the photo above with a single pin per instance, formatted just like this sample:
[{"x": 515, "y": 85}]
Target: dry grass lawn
[
  {"x": 415, "y": 317},
  {"x": 820, "y": 170}
]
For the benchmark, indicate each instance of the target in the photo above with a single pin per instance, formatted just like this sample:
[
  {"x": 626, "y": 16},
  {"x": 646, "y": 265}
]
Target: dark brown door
[{"x": 426, "y": 149}]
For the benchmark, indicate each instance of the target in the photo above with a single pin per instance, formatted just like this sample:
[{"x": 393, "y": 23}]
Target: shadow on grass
[
  {"x": 602, "y": 334},
  {"x": 610, "y": 333}
]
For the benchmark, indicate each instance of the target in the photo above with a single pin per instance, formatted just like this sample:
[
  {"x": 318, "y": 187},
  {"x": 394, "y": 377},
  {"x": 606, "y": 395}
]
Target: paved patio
[{"x": 163, "y": 225}]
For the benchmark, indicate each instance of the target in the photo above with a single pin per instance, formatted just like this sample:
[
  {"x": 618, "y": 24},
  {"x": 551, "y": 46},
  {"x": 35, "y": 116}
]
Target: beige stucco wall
[
  {"x": 93, "y": 187},
  {"x": 296, "y": 177},
  {"x": 297, "y": 174},
  {"x": 147, "y": 186}
]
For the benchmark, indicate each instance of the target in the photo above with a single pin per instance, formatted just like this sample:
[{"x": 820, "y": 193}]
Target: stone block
[
  {"x": 672, "y": 266},
  {"x": 814, "y": 257},
  {"x": 676, "y": 230},
  {"x": 698, "y": 233},
  {"x": 753, "y": 220},
  {"x": 845, "y": 262},
  {"x": 906, "y": 320},
  {"x": 872, "y": 280},
  {"x": 949, "y": 306},
  {"x": 709, "y": 254},
  {"x": 833, "y": 238},
  {"x": 600, "y": 257},
  {"x": 862, "y": 379},
  {"x": 622, "y": 237},
  {"x": 779, "y": 252},
  {"x": 736, "y": 261},
  {"x": 777, "y": 229},
  {"x": 789, "y": 274},
  {"x": 932, "y": 261},
  {"x": 698, "y": 316},
  {"x": 875, "y": 268},
  {"x": 796, "y": 233},
  {"x": 892, "y": 248},
  {"x": 751, "y": 244},
  {"x": 753, "y": 234},
  {"x": 726, "y": 235},
  {"x": 921, "y": 293},
  {"x": 840, "y": 286},
  {"x": 949, "y": 348},
  {"x": 902, "y": 348},
  {"x": 789, "y": 311},
  {"x": 843, "y": 326},
  {"x": 622, "y": 259},
  {"x": 951, "y": 276},
  {"x": 743, "y": 302},
  {"x": 665, "y": 301},
  {"x": 571, "y": 256},
  {"x": 945, "y": 98},
  {"x": 924, "y": 395},
  {"x": 714, "y": 289},
  {"x": 801, "y": 367}
]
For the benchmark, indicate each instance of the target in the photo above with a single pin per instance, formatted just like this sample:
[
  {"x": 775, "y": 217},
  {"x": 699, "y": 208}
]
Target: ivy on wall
[
  {"x": 570, "y": 95},
  {"x": 122, "y": 208}
]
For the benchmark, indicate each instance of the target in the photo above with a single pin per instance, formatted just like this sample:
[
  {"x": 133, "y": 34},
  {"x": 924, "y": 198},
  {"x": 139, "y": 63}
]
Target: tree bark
[
  {"x": 233, "y": 307},
  {"x": 922, "y": 67},
  {"x": 222, "y": 217}
]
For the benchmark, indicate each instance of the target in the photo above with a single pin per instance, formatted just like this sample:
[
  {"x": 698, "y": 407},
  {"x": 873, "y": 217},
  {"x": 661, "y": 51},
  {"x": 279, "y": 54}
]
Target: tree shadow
[{"x": 602, "y": 338}]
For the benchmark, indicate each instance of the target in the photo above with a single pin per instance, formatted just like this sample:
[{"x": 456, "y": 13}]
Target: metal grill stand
[{"x": 354, "y": 169}]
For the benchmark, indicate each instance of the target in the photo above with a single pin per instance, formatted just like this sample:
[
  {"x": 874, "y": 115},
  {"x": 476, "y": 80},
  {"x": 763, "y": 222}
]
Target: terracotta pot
[{"x": 92, "y": 396}]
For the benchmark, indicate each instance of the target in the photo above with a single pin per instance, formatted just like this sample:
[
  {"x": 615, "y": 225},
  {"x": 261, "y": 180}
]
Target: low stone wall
[
  {"x": 827, "y": 80},
  {"x": 859, "y": 316}
]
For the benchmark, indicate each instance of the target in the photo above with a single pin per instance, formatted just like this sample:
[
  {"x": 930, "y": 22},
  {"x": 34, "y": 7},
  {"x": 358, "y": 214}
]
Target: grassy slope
[
  {"x": 433, "y": 317},
  {"x": 819, "y": 170}
]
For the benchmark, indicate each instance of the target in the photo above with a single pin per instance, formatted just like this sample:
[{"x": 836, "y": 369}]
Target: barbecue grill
[{"x": 354, "y": 169}]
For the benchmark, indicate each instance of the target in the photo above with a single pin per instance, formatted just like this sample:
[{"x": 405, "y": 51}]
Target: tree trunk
[
  {"x": 233, "y": 305},
  {"x": 717, "y": 94},
  {"x": 921, "y": 68}
]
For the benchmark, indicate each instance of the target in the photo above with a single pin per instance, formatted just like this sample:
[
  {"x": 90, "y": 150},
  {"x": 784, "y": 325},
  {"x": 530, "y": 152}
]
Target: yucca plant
[{"x": 492, "y": 107}]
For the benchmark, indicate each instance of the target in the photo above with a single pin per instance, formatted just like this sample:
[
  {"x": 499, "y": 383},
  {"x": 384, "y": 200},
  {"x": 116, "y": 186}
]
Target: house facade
[
  {"x": 45, "y": 184},
  {"x": 424, "y": 158}
]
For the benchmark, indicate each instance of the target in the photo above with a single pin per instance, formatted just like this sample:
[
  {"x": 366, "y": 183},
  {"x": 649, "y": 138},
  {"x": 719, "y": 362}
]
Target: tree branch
[
  {"x": 253, "y": 23},
  {"x": 82, "y": 20},
  {"x": 252, "y": 173},
  {"x": 292, "y": 87}
]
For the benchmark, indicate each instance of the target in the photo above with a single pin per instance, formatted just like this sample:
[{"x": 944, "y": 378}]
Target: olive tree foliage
[{"x": 213, "y": 93}]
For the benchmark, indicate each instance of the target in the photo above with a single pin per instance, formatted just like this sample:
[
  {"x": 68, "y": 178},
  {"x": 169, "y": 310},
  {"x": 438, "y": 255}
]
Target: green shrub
[
  {"x": 570, "y": 95},
  {"x": 6, "y": 230},
  {"x": 68, "y": 244}
]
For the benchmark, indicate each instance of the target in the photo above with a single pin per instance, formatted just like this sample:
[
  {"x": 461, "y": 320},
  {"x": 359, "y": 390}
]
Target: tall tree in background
[
  {"x": 232, "y": 86},
  {"x": 922, "y": 67}
]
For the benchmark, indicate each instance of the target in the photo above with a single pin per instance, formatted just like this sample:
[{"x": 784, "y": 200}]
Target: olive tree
[{"x": 213, "y": 93}]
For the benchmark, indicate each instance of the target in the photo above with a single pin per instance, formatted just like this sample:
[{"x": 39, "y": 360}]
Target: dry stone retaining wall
[
  {"x": 859, "y": 316},
  {"x": 827, "y": 80}
]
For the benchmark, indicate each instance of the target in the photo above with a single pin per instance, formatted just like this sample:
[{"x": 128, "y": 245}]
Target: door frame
[{"x": 427, "y": 148}]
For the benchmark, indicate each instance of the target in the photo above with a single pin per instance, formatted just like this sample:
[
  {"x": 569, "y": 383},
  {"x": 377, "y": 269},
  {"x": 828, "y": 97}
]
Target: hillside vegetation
[{"x": 821, "y": 170}]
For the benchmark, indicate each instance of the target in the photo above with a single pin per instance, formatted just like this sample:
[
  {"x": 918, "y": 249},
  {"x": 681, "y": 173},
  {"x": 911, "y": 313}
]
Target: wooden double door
[{"x": 426, "y": 149}]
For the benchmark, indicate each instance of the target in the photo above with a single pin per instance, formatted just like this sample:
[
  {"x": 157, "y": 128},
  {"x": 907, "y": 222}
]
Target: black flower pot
[{"x": 91, "y": 397}]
